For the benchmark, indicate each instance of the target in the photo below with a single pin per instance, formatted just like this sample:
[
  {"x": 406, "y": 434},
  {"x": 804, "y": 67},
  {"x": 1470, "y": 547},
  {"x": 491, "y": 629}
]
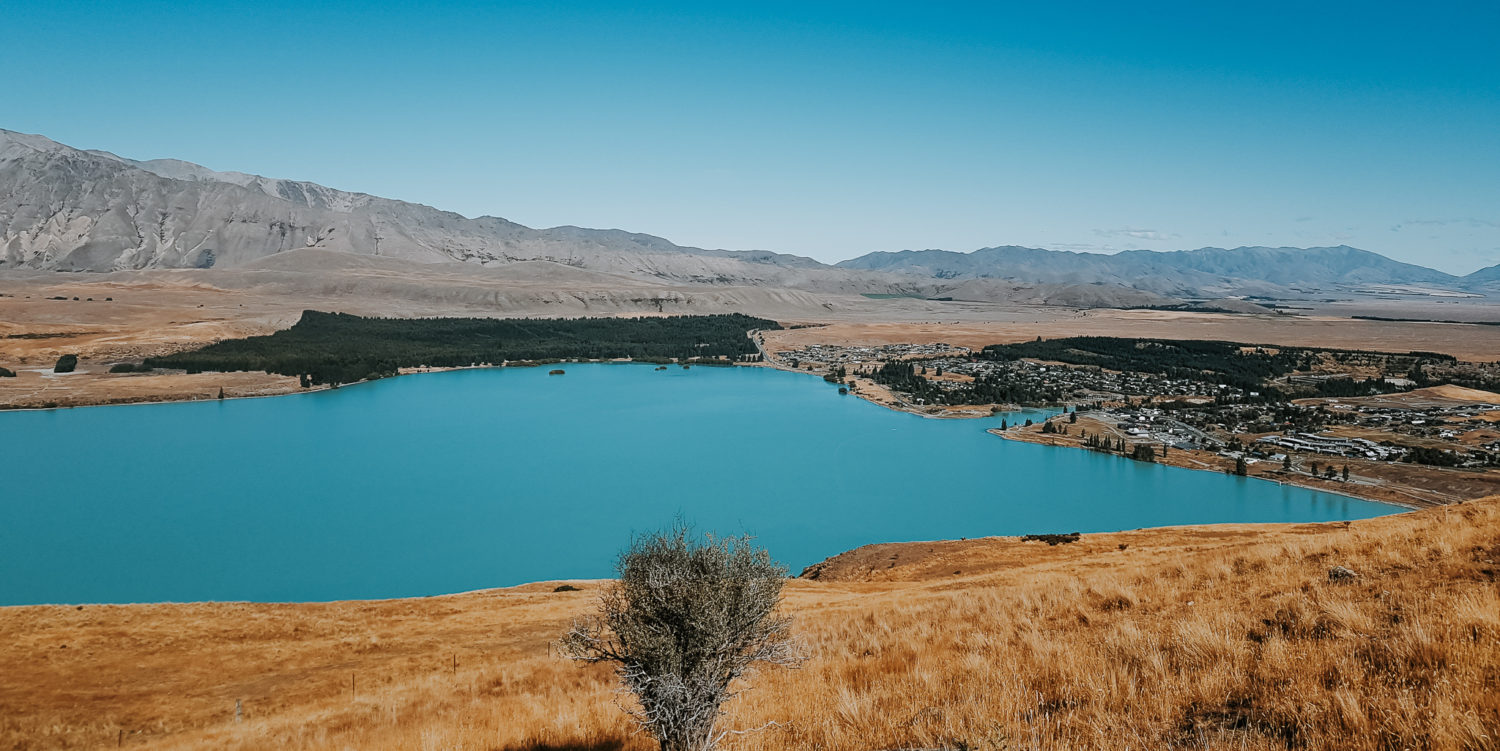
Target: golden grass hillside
[{"x": 1228, "y": 637}]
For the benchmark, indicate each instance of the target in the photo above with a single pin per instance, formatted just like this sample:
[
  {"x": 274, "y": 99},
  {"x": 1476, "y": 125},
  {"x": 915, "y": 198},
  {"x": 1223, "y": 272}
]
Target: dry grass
[
  {"x": 1479, "y": 343},
  {"x": 1215, "y": 637}
]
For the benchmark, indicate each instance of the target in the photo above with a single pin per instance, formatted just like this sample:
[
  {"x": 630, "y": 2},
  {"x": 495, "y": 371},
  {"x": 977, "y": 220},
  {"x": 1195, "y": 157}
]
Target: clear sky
[{"x": 818, "y": 128}]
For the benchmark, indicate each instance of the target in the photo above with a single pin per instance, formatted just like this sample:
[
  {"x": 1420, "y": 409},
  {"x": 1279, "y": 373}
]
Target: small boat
[{"x": 559, "y": 371}]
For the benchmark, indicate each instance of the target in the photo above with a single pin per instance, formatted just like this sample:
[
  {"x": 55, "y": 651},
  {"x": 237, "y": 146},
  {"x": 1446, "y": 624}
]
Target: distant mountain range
[
  {"x": 1203, "y": 272},
  {"x": 66, "y": 209}
]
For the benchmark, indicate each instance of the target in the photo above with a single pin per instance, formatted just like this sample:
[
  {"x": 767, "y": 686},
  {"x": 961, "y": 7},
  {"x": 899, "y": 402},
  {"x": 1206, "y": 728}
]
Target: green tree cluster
[
  {"x": 1247, "y": 367},
  {"x": 333, "y": 348}
]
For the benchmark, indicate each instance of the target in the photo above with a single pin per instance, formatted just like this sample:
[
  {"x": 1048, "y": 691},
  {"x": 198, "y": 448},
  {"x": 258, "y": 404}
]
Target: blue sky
[{"x": 818, "y": 128}]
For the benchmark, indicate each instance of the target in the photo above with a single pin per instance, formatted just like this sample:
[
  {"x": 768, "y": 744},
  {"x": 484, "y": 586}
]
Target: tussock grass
[{"x": 1216, "y": 638}]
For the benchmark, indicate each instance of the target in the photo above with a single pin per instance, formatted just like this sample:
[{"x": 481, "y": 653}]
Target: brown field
[
  {"x": 31, "y": 389},
  {"x": 140, "y": 320},
  {"x": 1475, "y": 343},
  {"x": 1423, "y": 398},
  {"x": 133, "y": 315},
  {"x": 1458, "y": 394},
  {"x": 1228, "y": 637}
]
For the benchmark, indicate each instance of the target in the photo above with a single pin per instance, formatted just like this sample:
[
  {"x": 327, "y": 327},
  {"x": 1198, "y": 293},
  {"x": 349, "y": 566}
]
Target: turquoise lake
[{"x": 455, "y": 481}]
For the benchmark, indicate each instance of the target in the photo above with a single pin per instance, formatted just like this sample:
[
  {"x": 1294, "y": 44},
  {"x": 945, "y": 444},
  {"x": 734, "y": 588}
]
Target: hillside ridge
[{"x": 66, "y": 209}]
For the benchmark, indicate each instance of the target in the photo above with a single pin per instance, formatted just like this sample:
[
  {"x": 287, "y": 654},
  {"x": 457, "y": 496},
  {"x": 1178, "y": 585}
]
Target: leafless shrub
[{"x": 683, "y": 622}]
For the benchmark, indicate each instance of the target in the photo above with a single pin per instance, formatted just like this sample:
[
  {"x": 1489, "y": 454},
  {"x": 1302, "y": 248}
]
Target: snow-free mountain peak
[{"x": 67, "y": 209}]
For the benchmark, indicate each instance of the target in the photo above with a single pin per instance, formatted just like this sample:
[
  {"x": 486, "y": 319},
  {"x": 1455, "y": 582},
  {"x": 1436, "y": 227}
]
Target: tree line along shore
[
  {"x": 1210, "y": 403},
  {"x": 334, "y": 348}
]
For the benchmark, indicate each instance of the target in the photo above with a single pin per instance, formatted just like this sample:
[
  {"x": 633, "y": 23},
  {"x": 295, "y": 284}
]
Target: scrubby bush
[
  {"x": 66, "y": 364},
  {"x": 684, "y": 621},
  {"x": 7, "y": 373},
  {"x": 1053, "y": 539}
]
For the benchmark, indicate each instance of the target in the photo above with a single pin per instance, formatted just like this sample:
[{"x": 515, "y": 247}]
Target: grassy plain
[
  {"x": 1466, "y": 342},
  {"x": 128, "y": 316},
  {"x": 1222, "y": 637}
]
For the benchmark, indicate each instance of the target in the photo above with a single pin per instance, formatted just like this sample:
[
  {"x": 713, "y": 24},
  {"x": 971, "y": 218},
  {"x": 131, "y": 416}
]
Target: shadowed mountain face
[{"x": 64, "y": 209}]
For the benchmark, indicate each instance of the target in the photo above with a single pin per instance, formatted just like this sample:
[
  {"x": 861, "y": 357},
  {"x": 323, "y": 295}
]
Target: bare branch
[{"x": 685, "y": 621}]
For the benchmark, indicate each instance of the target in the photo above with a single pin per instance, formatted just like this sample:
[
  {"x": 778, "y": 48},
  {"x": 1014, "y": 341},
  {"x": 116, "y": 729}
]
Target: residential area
[{"x": 1395, "y": 441}]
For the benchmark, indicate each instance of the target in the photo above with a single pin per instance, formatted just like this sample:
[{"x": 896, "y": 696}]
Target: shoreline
[
  {"x": 480, "y": 669},
  {"x": 546, "y": 586},
  {"x": 1015, "y": 434},
  {"x": 1024, "y": 437},
  {"x": 319, "y": 389},
  {"x": 895, "y": 404}
]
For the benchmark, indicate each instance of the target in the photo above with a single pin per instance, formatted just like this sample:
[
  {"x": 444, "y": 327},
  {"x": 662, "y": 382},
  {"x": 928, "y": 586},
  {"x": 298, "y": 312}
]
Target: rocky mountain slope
[{"x": 66, "y": 209}]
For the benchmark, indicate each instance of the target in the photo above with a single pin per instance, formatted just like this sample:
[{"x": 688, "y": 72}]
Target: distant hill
[
  {"x": 1486, "y": 277},
  {"x": 1207, "y": 272}
]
